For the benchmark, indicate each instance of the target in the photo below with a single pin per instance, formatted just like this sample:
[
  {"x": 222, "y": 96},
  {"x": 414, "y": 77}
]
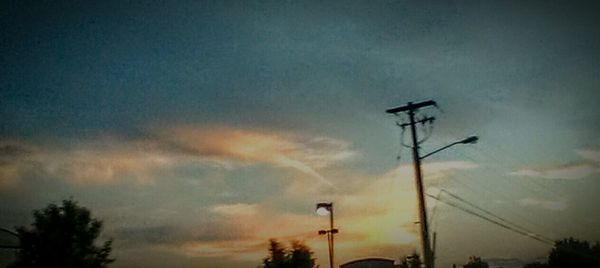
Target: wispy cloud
[
  {"x": 239, "y": 209},
  {"x": 253, "y": 225},
  {"x": 260, "y": 147},
  {"x": 13, "y": 162},
  {"x": 433, "y": 170},
  {"x": 590, "y": 155},
  {"x": 588, "y": 166},
  {"x": 101, "y": 161},
  {"x": 567, "y": 172},
  {"x": 545, "y": 204},
  {"x": 112, "y": 158}
]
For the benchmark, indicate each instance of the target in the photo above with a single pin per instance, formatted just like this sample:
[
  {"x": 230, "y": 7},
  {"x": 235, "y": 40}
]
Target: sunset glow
[{"x": 198, "y": 130}]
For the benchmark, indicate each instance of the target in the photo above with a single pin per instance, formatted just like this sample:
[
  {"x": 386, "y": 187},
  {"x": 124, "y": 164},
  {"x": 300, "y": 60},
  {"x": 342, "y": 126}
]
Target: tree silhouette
[
  {"x": 299, "y": 256},
  {"x": 571, "y": 252},
  {"x": 276, "y": 256},
  {"x": 476, "y": 262},
  {"x": 536, "y": 265},
  {"x": 62, "y": 236}
]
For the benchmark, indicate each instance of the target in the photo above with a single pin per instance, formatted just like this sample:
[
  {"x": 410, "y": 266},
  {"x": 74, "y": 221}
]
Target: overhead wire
[
  {"x": 486, "y": 193},
  {"x": 489, "y": 213},
  {"x": 505, "y": 226},
  {"x": 523, "y": 188}
]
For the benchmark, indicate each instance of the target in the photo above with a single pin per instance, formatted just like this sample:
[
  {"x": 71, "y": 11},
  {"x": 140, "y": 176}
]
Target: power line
[
  {"x": 525, "y": 187},
  {"x": 492, "y": 214},
  {"x": 505, "y": 226},
  {"x": 497, "y": 192}
]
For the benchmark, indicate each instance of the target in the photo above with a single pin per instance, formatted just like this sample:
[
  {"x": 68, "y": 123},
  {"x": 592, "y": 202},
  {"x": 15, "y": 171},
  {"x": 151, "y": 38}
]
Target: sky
[{"x": 198, "y": 130}]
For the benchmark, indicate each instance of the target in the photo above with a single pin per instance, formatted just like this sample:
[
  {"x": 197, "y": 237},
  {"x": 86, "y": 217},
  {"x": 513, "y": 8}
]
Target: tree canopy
[
  {"x": 298, "y": 256},
  {"x": 571, "y": 252},
  {"x": 62, "y": 236},
  {"x": 476, "y": 262}
]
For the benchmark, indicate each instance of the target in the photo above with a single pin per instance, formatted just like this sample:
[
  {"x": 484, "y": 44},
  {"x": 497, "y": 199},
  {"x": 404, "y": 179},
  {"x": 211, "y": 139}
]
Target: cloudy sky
[{"x": 198, "y": 130}]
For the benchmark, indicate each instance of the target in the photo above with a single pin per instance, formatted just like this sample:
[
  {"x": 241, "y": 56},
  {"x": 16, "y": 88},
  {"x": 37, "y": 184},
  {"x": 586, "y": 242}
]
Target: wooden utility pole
[{"x": 410, "y": 109}]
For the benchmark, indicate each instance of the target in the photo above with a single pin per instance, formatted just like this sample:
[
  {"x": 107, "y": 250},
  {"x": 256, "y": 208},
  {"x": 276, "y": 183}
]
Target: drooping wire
[
  {"x": 402, "y": 123},
  {"x": 488, "y": 193},
  {"x": 433, "y": 214},
  {"x": 489, "y": 213},
  {"x": 427, "y": 131},
  {"x": 505, "y": 226},
  {"x": 531, "y": 235},
  {"x": 525, "y": 187}
]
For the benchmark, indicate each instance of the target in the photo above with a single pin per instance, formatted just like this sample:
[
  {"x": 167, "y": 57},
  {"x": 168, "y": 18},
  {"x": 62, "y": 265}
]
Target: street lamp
[{"x": 324, "y": 209}]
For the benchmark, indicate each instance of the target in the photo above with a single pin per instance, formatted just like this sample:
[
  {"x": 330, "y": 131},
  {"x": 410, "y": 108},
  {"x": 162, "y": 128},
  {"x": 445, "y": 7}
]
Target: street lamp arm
[
  {"x": 469, "y": 140},
  {"x": 440, "y": 149}
]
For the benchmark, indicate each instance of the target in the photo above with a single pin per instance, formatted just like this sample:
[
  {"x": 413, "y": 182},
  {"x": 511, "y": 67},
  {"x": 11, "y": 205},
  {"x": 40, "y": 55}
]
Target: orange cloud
[
  {"x": 111, "y": 159},
  {"x": 258, "y": 147}
]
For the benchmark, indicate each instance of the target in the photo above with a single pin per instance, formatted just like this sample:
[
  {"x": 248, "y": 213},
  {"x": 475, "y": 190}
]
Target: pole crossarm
[{"x": 411, "y": 107}]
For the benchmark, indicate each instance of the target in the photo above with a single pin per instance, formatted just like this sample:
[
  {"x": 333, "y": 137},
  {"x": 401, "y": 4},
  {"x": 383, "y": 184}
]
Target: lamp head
[
  {"x": 324, "y": 208},
  {"x": 470, "y": 140}
]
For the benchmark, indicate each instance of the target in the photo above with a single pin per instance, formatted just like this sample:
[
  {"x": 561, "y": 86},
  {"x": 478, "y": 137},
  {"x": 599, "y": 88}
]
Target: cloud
[
  {"x": 433, "y": 170},
  {"x": 237, "y": 249},
  {"x": 253, "y": 225},
  {"x": 238, "y": 209},
  {"x": 590, "y": 155},
  {"x": 15, "y": 160},
  {"x": 260, "y": 147},
  {"x": 578, "y": 170},
  {"x": 545, "y": 204},
  {"x": 96, "y": 162},
  {"x": 111, "y": 159},
  {"x": 567, "y": 172}
]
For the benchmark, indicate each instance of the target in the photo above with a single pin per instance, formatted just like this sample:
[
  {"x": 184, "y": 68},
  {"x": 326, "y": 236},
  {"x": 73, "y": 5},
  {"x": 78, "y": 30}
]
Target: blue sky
[{"x": 194, "y": 129}]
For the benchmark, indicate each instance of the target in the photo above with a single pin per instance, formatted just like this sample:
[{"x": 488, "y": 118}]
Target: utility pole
[{"x": 410, "y": 109}]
